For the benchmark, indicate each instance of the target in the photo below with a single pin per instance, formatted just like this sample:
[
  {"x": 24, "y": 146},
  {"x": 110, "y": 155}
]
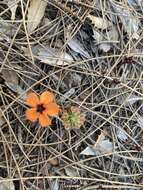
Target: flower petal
[
  {"x": 32, "y": 100},
  {"x": 52, "y": 109},
  {"x": 46, "y": 97},
  {"x": 44, "y": 120},
  {"x": 31, "y": 114}
]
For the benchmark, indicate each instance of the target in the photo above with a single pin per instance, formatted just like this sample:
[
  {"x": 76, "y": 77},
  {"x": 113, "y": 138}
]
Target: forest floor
[{"x": 88, "y": 55}]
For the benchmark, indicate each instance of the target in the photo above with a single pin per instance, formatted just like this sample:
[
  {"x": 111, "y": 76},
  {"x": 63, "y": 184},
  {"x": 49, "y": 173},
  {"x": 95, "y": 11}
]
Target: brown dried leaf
[
  {"x": 100, "y": 23},
  {"x": 53, "y": 161},
  {"x": 12, "y": 4},
  {"x": 10, "y": 76},
  {"x": 35, "y": 14}
]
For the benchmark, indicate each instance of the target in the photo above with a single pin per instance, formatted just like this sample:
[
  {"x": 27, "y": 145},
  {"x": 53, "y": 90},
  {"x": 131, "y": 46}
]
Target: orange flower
[{"x": 41, "y": 108}]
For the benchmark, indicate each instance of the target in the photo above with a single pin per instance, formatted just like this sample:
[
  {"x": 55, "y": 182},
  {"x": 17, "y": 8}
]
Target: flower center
[
  {"x": 73, "y": 118},
  {"x": 40, "y": 108}
]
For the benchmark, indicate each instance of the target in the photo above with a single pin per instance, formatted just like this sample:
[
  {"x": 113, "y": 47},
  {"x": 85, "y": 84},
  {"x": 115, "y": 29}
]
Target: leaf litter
[
  {"x": 102, "y": 146},
  {"x": 12, "y": 4},
  {"x": 7, "y": 186},
  {"x": 89, "y": 55},
  {"x": 35, "y": 14}
]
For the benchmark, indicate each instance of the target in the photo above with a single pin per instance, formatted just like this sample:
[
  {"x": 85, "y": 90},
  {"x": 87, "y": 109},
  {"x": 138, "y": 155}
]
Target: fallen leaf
[
  {"x": 97, "y": 36},
  {"x": 12, "y": 4},
  {"x": 17, "y": 89},
  {"x": 133, "y": 99},
  {"x": 7, "y": 185},
  {"x": 6, "y": 30},
  {"x": 35, "y": 14},
  {"x": 52, "y": 56},
  {"x": 112, "y": 35},
  {"x": 70, "y": 171},
  {"x": 122, "y": 135},
  {"x": 89, "y": 151},
  {"x": 105, "y": 47},
  {"x": 11, "y": 80},
  {"x": 130, "y": 22},
  {"x": 78, "y": 47},
  {"x": 10, "y": 76},
  {"x": 53, "y": 161},
  {"x": 102, "y": 146},
  {"x": 100, "y": 138},
  {"x": 98, "y": 22},
  {"x": 140, "y": 121},
  {"x": 105, "y": 40},
  {"x": 55, "y": 185}
]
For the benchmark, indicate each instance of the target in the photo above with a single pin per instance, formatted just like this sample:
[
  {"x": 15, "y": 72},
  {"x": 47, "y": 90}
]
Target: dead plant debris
[{"x": 82, "y": 63}]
